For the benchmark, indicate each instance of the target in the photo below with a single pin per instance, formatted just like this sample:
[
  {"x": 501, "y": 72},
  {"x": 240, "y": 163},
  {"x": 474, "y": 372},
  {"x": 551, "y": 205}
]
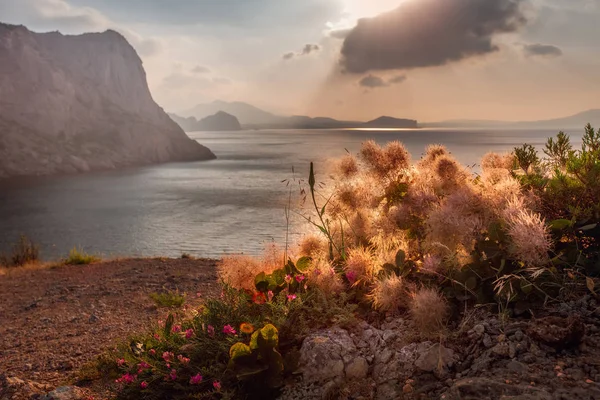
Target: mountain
[
  {"x": 390, "y": 122},
  {"x": 80, "y": 103},
  {"x": 247, "y": 114},
  {"x": 221, "y": 121},
  {"x": 576, "y": 121}
]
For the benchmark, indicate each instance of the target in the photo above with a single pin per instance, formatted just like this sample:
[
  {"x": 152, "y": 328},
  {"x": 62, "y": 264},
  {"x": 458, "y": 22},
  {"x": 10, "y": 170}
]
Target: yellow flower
[{"x": 246, "y": 328}]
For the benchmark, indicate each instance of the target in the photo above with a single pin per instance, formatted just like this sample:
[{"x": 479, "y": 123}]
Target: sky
[{"x": 430, "y": 60}]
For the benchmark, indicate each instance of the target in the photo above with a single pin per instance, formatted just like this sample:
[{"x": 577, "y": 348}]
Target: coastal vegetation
[{"x": 429, "y": 240}]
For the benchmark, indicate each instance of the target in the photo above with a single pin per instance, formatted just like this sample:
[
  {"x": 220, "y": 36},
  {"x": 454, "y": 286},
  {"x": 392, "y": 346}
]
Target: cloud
[
  {"x": 309, "y": 48},
  {"x": 222, "y": 81},
  {"x": 200, "y": 69},
  {"x": 372, "y": 81},
  {"x": 424, "y": 33},
  {"x": 397, "y": 79},
  {"x": 340, "y": 33},
  {"x": 306, "y": 50},
  {"x": 543, "y": 50}
]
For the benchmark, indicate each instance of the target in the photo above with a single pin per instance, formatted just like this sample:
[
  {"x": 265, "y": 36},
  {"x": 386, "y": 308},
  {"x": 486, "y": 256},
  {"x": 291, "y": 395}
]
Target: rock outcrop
[{"x": 79, "y": 103}]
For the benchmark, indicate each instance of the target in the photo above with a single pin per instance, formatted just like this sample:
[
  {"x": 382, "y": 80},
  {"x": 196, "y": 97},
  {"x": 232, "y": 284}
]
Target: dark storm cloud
[
  {"x": 372, "y": 81},
  {"x": 424, "y": 33},
  {"x": 544, "y": 50}
]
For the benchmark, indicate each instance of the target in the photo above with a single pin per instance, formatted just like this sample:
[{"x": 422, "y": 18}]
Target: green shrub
[
  {"x": 23, "y": 252},
  {"x": 168, "y": 299},
  {"x": 79, "y": 257}
]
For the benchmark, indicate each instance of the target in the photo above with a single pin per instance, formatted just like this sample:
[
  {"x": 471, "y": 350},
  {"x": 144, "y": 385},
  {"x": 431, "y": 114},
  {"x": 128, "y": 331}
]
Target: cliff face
[{"x": 78, "y": 103}]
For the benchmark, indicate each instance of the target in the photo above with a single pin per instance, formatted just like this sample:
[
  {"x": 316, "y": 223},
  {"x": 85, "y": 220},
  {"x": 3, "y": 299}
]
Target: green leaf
[
  {"x": 526, "y": 286},
  {"x": 270, "y": 334},
  {"x": 311, "y": 177},
  {"x": 279, "y": 276},
  {"x": 303, "y": 263},
  {"x": 261, "y": 282},
  {"x": 400, "y": 258},
  {"x": 560, "y": 224},
  {"x": 588, "y": 227},
  {"x": 169, "y": 325}
]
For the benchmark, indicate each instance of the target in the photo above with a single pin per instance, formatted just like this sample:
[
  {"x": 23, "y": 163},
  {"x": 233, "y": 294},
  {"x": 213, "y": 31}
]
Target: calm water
[{"x": 232, "y": 204}]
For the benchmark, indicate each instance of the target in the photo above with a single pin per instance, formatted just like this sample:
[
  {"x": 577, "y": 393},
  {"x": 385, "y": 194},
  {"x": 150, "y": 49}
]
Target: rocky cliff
[{"x": 79, "y": 103}]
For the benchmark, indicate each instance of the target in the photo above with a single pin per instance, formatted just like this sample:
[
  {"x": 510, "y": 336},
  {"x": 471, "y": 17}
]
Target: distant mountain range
[
  {"x": 251, "y": 117},
  {"x": 570, "y": 122},
  {"x": 220, "y": 121}
]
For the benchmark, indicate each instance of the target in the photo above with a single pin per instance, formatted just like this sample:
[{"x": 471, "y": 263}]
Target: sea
[{"x": 248, "y": 197}]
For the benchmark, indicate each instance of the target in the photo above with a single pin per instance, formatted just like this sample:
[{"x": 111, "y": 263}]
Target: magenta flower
[
  {"x": 127, "y": 378},
  {"x": 121, "y": 362},
  {"x": 176, "y": 328},
  {"x": 288, "y": 278},
  {"x": 144, "y": 385},
  {"x": 189, "y": 333},
  {"x": 351, "y": 275},
  {"x": 300, "y": 278},
  {"x": 168, "y": 356},
  {"x": 173, "y": 375},
  {"x": 183, "y": 360},
  {"x": 143, "y": 365},
  {"x": 270, "y": 295},
  {"x": 152, "y": 352},
  {"x": 291, "y": 297},
  {"x": 228, "y": 330},
  {"x": 211, "y": 330},
  {"x": 217, "y": 385},
  {"x": 196, "y": 379},
  {"x": 156, "y": 336}
]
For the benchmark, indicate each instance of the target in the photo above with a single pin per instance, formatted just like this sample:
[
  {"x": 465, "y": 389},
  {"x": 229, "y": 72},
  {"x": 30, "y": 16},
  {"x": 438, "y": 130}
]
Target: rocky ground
[
  {"x": 556, "y": 356},
  {"x": 54, "y": 320}
]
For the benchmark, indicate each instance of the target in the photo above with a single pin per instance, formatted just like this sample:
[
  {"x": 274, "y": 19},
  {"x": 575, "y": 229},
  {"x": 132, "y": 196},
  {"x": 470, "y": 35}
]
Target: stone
[
  {"x": 65, "y": 393},
  {"x": 519, "y": 335},
  {"x": 407, "y": 389},
  {"x": 322, "y": 355},
  {"x": 389, "y": 335},
  {"x": 479, "y": 329},
  {"x": 517, "y": 367},
  {"x": 487, "y": 341},
  {"x": 558, "y": 332},
  {"x": 484, "y": 388},
  {"x": 357, "y": 369},
  {"x": 384, "y": 356},
  {"x": 501, "y": 349},
  {"x": 436, "y": 357}
]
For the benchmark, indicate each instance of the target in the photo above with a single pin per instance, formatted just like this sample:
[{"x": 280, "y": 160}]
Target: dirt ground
[{"x": 54, "y": 320}]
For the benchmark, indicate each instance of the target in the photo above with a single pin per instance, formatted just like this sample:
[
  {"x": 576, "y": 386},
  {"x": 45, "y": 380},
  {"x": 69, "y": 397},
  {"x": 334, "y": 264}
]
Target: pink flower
[
  {"x": 270, "y": 295},
  {"x": 291, "y": 297},
  {"x": 127, "y": 378},
  {"x": 173, "y": 375},
  {"x": 198, "y": 294},
  {"x": 121, "y": 362},
  {"x": 228, "y": 330},
  {"x": 211, "y": 330},
  {"x": 176, "y": 328},
  {"x": 156, "y": 336},
  {"x": 196, "y": 379},
  {"x": 351, "y": 275},
  {"x": 217, "y": 385},
  {"x": 189, "y": 333},
  {"x": 161, "y": 323},
  {"x": 288, "y": 278},
  {"x": 300, "y": 278},
  {"x": 168, "y": 356},
  {"x": 152, "y": 352},
  {"x": 183, "y": 360},
  {"x": 144, "y": 385},
  {"x": 143, "y": 365}
]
